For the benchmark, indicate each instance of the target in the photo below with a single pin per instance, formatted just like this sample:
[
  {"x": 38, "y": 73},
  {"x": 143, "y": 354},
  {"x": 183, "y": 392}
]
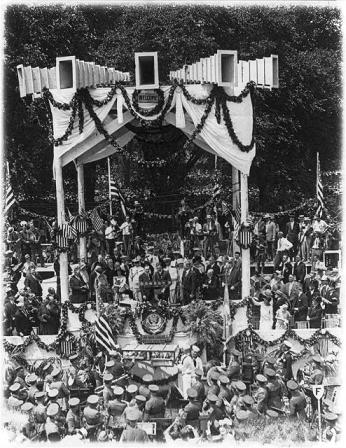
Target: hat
[
  {"x": 73, "y": 357},
  {"x": 306, "y": 218},
  {"x": 271, "y": 360},
  {"x": 74, "y": 401},
  {"x": 198, "y": 372},
  {"x": 180, "y": 261},
  {"x": 107, "y": 377},
  {"x": 287, "y": 343},
  {"x": 167, "y": 259},
  {"x": 223, "y": 379},
  {"x": 26, "y": 407},
  {"x": 32, "y": 378},
  {"x": 241, "y": 415},
  {"x": 153, "y": 388},
  {"x": 92, "y": 399},
  {"x": 55, "y": 372},
  {"x": 110, "y": 363},
  {"x": 147, "y": 378},
  {"x": 196, "y": 248},
  {"x": 47, "y": 366},
  {"x": 235, "y": 352},
  {"x": 176, "y": 252},
  {"x": 214, "y": 375},
  {"x": 8, "y": 252},
  {"x": 140, "y": 398},
  {"x": 137, "y": 259},
  {"x": 324, "y": 277},
  {"x": 195, "y": 349},
  {"x": 52, "y": 410},
  {"x": 266, "y": 216},
  {"x": 301, "y": 217},
  {"x": 118, "y": 391},
  {"x": 133, "y": 414},
  {"x": 240, "y": 386},
  {"x": 261, "y": 378},
  {"x": 212, "y": 398},
  {"x": 132, "y": 389},
  {"x": 269, "y": 373},
  {"x": 317, "y": 358},
  {"x": 15, "y": 387},
  {"x": 248, "y": 400},
  {"x": 292, "y": 385},
  {"x": 219, "y": 260},
  {"x": 40, "y": 394},
  {"x": 191, "y": 393},
  {"x": 330, "y": 416},
  {"x": 53, "y": 393},
  {"x": 23, "y": 223},
  {"x": 272, "y": 413}
]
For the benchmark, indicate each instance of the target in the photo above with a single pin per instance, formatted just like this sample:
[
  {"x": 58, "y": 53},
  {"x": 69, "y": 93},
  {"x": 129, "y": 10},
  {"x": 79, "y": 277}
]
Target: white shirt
[
  {"x": 126, "y": 228},
  {"x": 284, "y": 244},
  {"x": 319, "y": 226},
  {"x": 110, "y": 233}
]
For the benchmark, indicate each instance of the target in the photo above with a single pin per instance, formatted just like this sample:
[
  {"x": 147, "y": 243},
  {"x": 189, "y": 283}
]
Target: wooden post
[
  {"x": 60, "y": 202},
  {"x": 245, "y": 253},
  {"x": 81, "y": 206},
  {"x": 235, "y": 201}
]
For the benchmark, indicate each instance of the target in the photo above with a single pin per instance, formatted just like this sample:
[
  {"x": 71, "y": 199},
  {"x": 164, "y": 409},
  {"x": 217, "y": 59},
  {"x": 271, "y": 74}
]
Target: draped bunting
[{"x": 214, "y": 135}]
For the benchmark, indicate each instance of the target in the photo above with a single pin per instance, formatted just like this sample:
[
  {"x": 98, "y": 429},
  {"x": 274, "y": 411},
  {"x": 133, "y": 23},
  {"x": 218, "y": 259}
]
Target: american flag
[
  {"x": 103, "y": 334},
  {"x": 319, "y": 188},
  {"x": 69, "y": 232},
  {"x": 70, "y": 217},
  {"x": 115, "y": 193},
  {"x": 61, "y": 240},
  {"x": 96, "y": 220},
  {"x": 10, "y": 199},
  {"x": 236, "y": 219}
]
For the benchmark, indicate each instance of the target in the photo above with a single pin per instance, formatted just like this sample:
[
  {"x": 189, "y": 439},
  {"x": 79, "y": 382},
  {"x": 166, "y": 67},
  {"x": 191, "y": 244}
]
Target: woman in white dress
[{"x": 266, "y": 311}]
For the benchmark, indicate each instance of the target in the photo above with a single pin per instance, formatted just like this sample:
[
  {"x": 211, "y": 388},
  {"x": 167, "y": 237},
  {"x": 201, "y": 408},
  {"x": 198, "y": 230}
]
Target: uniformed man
[
  {"x": 92, "y": 416},
  {"x": 271, "y": 415},
  {"x": 269, "y": 363},
  {"x": 15, "y": 397},
  {"x": 73, "y": 418},
  {"x": 187, "y": 368},
  {"x": 29, "y": 429},
  {"x": 261, "y": 394},
  {"x": 233, "y": 369},
  {"x": 214, "y": 387},
  {"x": 52, "y": 397},
  {"x": 240, "y": 419},
  {"x": 140, "y": 402},
  {"x": 297, "y": 402},
  {"x": 225, "y": 392},
  {"x": 40, "y": 413},
  {"x": 77, "y": 376},
  {"x": 286, "y": 359},
  {"x": 32, "y": 381},
  {"x": 115, "y": 411},
  {"x": 329, "y": 433},
  {"x": 131, "y": 392},
  {"x": 54, "y": 430},
  {"x": 20, "y": 377},
  {"x": 248, "y": 407},
  {"x": 275, "y": 392},
  {"x": 63, "y": 391},
  {"x": 132, "y": 433},
  {"x": 240, "y": 391},
  {"x": 107, "y": 392},
  {"x": 144, "y": 388},
  {"x": 155, "y": 406},
  {"x": 198, "y": 385},
  {"x": 191, "y": 410}
]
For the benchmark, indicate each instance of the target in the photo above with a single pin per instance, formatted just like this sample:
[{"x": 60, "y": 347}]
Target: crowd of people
[
  {"x": 102, "y": 400},
  {"x": 292, "y": 296}
]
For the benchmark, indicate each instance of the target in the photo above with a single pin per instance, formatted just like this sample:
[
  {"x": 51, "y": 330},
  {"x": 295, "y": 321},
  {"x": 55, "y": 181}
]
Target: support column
[
  {"x": 245, "y": 253},
  {"x": 60, "y": 202},
  {"x": 81, "y": 206},
  {"x": 235, "y": 201}
]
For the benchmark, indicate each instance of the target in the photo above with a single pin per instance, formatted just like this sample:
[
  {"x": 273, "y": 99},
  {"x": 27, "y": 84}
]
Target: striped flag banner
[
  {"x": 319, "y": 188},
  {"x": 216, "y": 191},
  {"x": 61, "y": 240},
  {"x": 115, "y": 193},
  {"x": 103, "y": 334},
  {"x": 236, "y": 219},
  {"x": 225, "y": 208},
  {"x": 10, "y": 199},
  {"x": 69, "y": 232},
  {"x": 96, "y": 220},
  {"x": 70, "y": 217}
]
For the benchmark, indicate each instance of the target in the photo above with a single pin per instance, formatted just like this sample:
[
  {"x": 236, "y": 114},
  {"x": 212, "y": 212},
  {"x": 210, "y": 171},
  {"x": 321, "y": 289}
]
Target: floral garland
[
  {"x": 148, "y": 112},
  {"x": 315, "y": 338},
  {"x": 59, "y": 141},
  {"x": 61, "y": 106}
]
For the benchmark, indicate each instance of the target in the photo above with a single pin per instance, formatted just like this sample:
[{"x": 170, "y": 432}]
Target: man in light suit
[
  {"x": 292, "y": 232},
  {"x": 291, "y": 289}
]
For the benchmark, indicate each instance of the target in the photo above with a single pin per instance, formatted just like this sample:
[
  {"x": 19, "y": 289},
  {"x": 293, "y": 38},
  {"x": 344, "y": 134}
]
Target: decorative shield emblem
[
  {"x": 318, "y": 390},
  {"x": 153, "y": 322}
]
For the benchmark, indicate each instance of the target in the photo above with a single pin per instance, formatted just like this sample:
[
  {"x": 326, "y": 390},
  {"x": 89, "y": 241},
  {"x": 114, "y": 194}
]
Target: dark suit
[
  {"x": 210, "y": 288},
  {"x": 79, "y": 294},
  {"x": 299, "y": 270},
  {"x": 302, "y": 304},
  {"x": 286, "y": 270},
  {"x": 34, "y": 283},
  {"x": 190, "y": 282},
  {"x": 234, "y": 279},
  {"x": 22, "y": 322},
  {"x": 163, "y": 280},
  {"x": 146, "y": 286},
  {"x": 292, "y": 232}
]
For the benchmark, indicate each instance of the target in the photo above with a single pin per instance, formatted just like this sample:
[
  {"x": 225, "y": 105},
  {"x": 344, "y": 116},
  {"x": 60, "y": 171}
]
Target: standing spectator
[
  {"x": 110, "y": 234},
  {"x": 317, "y": 245},
  {"x": 299, "y": 269},
  {"x": 282, "y": 317},
  {"x": 315, "y": 312},
  {"x": 162, "y": 281},
  {"x": 233, "y": 280},
  {"x": 33, "y": 281},
  {"x": 291, "y": 289},
  {"x": 285, "y": 267},
  {"x": 260, "y": 257},
  {"x": 283, "y": 247},
  {"x": 318, "y": 225},
  {"x": 305, "y": 240},
  {"x": 49, "y": 316},
  {"x": 183, "y": 215},
  {"x": 146, "y": 284},
  {"x": 210, "y": 288},
  {"x": 134, "y": 275},
  {"x": 300, "y": 307},
  {"x": 189, "y": 283},
  {"x": 25, "y": 239},
  {"x": 127, "y": 232},
  {"x": 22, "y": 321},
  {"x": 292, "y": 231},
  {"x": 270, "y": 236},
  {"x": 209, "y": 231},
  {"x": 266, "y": 310},
  {"x": 13, "y": 241},
  {"x": 79, "y": 289}
]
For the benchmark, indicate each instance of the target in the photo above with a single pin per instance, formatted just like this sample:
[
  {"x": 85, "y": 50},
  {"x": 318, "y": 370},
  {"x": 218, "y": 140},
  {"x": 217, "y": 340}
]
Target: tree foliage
[{"x": 292, "y": 123}]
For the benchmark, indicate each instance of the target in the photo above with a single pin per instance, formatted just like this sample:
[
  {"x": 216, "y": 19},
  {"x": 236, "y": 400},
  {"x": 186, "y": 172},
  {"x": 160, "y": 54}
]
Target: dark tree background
[{"x": 294, "y": 122}]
